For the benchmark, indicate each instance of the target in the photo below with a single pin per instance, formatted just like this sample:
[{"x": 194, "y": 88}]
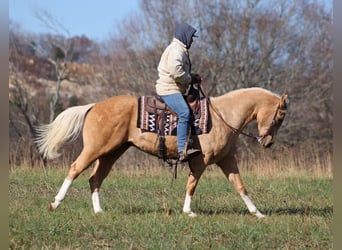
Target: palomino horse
[{"x": 110, "y": 128}]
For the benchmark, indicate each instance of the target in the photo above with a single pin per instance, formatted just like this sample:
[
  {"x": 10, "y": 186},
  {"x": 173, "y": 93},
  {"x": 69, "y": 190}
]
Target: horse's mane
[{"x": 255, "y": 91}]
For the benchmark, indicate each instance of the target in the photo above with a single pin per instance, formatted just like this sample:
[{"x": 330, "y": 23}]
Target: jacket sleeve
[{"x": 178, "y": 67}]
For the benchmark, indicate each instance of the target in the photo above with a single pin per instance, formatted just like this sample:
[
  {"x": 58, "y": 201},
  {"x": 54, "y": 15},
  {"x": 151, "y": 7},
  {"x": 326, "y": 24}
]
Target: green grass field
[{"x": 143, "y": 211}]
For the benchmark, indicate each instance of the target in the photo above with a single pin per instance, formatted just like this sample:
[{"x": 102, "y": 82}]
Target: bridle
[{"x": 236, "y": 131}]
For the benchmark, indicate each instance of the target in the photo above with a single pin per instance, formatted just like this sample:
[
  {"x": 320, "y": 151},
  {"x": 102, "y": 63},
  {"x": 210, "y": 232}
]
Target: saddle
[
  {"x": 157, "y": 117},
  {"x": 155, "y": 105}
]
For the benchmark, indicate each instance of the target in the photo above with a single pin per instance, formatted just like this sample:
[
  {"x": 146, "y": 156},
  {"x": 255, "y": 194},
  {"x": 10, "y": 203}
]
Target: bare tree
[
  {"x": 57, "y": 50},
  {"x": 23, "y": 114},
  {"x": 33, "y": 58}
]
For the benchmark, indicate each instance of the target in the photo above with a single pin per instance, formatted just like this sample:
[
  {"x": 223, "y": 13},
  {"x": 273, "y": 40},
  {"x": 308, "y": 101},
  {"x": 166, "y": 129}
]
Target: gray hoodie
[{"x": 184, "y": 32}]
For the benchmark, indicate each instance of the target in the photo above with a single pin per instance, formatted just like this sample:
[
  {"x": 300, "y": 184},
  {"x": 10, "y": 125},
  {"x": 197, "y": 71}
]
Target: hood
[{"x": 184, "y": 32}]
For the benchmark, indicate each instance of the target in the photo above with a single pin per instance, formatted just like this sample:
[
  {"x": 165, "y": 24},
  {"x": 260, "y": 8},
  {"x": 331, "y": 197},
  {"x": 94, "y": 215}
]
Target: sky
[{"x": 95, "y": 19}]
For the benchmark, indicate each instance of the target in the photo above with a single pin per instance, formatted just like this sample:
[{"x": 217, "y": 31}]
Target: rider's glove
[{"x": 196, "y": 78}]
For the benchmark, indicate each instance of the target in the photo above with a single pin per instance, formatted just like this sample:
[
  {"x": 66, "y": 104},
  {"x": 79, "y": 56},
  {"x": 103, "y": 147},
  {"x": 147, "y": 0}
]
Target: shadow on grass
[
  {"x": 199, "y": 211},
  {"x": 324, "y": 212},
  {"x": 305, "y": 211}
]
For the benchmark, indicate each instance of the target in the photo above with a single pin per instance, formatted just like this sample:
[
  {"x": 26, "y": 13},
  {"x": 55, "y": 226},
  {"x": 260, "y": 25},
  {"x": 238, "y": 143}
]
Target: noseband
[{"x": 273, "y": 123}]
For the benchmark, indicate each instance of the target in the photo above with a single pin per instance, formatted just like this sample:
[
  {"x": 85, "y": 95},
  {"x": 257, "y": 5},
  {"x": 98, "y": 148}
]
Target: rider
[{"x": 174, "y": 79}]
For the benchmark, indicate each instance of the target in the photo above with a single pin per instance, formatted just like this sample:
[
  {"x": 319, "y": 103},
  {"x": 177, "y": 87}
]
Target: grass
[{"x": 143, "y": 211}]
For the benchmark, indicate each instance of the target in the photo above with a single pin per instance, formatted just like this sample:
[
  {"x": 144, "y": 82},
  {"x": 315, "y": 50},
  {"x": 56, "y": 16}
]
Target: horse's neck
[{"x": 236, "y": 110}]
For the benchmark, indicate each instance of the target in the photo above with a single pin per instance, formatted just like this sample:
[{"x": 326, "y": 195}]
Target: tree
[{"x": 32, "y": 58}]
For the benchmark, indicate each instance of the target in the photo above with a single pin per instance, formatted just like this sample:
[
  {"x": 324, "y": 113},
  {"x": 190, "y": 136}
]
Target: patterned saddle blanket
[{"x": 155, "y": 116}]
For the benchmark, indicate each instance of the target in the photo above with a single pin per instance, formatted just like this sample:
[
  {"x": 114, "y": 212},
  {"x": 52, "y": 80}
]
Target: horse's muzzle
[{"x": 266, "y": 141}]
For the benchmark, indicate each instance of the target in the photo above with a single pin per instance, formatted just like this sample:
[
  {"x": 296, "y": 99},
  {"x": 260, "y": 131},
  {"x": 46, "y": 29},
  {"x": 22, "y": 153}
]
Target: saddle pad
[{"x": 148, "y": 121}]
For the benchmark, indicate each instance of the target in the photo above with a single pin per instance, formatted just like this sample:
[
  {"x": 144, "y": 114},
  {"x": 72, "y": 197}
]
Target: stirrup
[{"x": 189, "y": 154}]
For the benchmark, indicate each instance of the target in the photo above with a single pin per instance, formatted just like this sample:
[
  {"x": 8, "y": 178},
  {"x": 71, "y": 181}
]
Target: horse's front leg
[
  {"x": 231, "y": 171},
  {"x": 194, "y": 176}
]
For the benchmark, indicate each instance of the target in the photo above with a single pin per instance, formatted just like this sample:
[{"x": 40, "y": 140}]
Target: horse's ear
[{"x": 283, "y": 101}]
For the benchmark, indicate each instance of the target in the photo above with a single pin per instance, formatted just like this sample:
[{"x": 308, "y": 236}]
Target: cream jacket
[{"x": 174, "y": 69}]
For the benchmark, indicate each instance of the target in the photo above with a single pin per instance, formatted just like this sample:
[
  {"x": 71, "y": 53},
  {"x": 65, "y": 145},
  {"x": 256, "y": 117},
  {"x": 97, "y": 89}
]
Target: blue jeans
[{"x": 177, "y": 103}]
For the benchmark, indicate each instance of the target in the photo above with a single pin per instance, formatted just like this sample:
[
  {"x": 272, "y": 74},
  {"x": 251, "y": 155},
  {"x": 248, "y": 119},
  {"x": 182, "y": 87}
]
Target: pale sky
[{"x": 95, "y": 19}]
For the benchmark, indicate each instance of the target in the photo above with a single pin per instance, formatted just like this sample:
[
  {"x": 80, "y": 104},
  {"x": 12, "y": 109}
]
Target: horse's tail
[{"x": 66, "y": 127}]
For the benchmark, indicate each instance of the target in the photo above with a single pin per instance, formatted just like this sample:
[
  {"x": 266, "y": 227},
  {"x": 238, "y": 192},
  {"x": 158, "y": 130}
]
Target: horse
[{"x": 109, "y": 128}]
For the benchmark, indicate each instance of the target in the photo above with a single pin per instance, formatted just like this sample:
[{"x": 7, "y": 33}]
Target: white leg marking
[
  {"x": 96, "y": 202},
  {"x": 187, "y": 204},
  {"x": 61, "y": 194},
  {"x": 251, "y": 207}
]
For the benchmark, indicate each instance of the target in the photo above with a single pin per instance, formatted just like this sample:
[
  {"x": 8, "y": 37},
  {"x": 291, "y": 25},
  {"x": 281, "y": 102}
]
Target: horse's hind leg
[
  {"x": 231, "y": 171},
  {"x": 101, "y": 170},
  {"x": 82, "y": 162},
  {"x": 103, "y": 166},
  {"x": 194, "y": 176}
]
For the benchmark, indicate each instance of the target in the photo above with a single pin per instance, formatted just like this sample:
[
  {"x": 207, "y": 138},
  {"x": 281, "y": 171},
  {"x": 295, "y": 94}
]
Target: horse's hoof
[
  {"x": 191, "y": 214},
  {"x": 54, "y": 205},
  {"x": 51, "y": 208},
  {"x": 99, "y": 211},
  {"x": 259, "y": 215}
]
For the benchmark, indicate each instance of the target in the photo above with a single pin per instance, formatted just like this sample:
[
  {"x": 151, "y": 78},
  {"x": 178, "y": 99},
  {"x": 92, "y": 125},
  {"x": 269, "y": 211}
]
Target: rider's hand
[{"x": 196, "y": 78}]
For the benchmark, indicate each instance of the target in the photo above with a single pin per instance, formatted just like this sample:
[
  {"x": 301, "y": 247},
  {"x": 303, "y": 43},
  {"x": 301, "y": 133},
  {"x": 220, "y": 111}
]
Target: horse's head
[{"x": 270, "y": 119}]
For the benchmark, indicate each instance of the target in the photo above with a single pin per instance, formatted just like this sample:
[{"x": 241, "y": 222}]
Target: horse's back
[{"x": 115, "y": 106}]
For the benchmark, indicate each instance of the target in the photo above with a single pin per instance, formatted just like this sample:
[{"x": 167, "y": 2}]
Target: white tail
[{"x": 66, "y": 127}]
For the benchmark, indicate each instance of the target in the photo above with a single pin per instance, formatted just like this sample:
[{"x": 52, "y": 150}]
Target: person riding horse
[{"x": 175, "y": 76}]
